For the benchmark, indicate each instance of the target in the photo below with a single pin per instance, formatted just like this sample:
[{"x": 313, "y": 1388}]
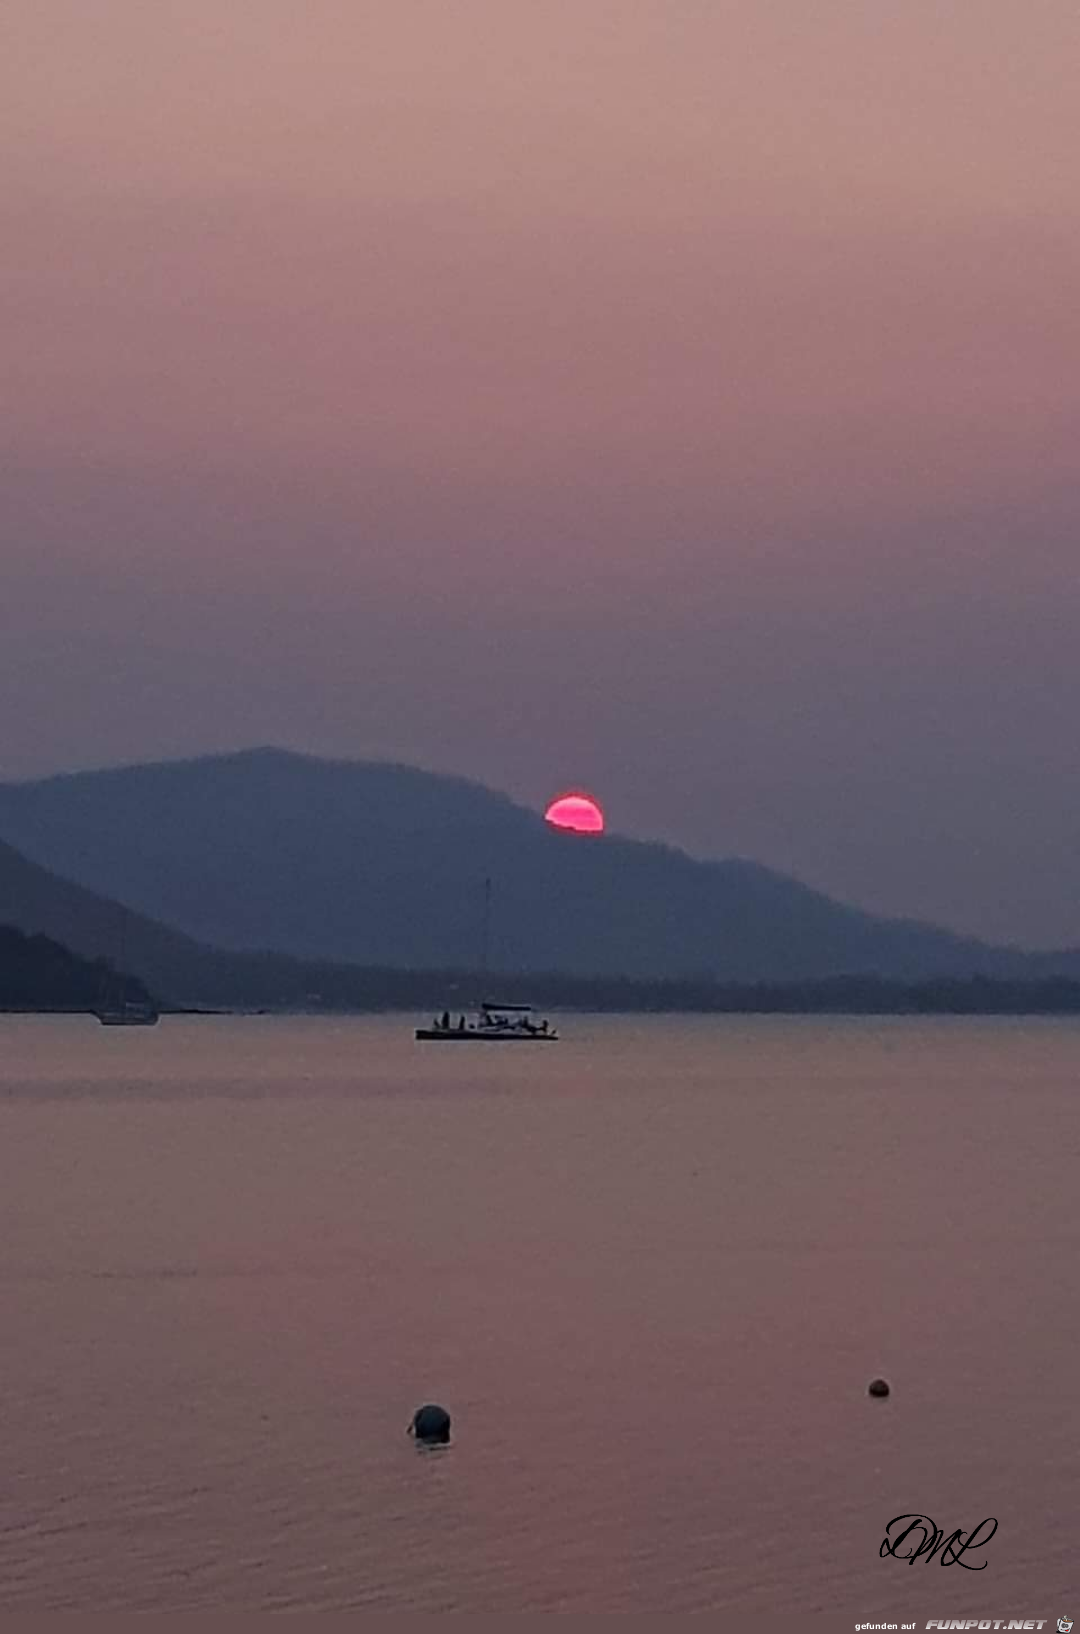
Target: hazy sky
[{"x": 674, "y": 397}]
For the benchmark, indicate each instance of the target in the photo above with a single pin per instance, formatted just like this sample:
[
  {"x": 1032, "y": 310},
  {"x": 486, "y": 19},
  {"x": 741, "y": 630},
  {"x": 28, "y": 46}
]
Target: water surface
[{"x": 650, "y": 1271}]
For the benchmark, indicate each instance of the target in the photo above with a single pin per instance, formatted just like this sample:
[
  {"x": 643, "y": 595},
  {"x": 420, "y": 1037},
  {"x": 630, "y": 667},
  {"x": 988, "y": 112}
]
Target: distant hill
[
  {"x": 35, "y": 901},
  {"x": 37, "y": 973},
  {"x": 53, "y": 931},
  {"x": 38, "y": 905},
  {"x": 383, "y": 865}
]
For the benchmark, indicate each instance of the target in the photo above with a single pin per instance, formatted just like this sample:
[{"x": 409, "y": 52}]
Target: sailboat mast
[{"x": 485, "y": 948}]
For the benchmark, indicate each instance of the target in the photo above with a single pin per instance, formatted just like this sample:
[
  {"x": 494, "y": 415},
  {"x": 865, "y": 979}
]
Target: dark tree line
[
  {"x": 274, "y": 983},
  {"x": 37, "y": 973}
]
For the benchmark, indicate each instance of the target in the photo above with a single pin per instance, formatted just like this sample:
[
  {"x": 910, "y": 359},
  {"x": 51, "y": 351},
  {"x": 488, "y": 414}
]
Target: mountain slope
[
  {"x": 36, "y": 901},
  {"x": 384, "y": 865},
  {"x": 80, "y": 924},
  {"x": 38, "y": 973}
]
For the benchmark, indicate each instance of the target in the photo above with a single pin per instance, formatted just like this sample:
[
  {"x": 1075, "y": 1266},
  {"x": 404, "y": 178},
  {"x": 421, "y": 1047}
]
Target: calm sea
[{"x": 649, "y": 1270}]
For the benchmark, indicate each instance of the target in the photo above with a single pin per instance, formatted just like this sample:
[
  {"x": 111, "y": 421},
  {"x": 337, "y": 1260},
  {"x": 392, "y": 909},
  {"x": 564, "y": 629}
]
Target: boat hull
[{"x": 431, "y": 1035}]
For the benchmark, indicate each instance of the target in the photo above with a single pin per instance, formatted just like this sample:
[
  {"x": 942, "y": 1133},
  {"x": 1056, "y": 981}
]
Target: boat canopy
[{"x": 522, "y": 1008}]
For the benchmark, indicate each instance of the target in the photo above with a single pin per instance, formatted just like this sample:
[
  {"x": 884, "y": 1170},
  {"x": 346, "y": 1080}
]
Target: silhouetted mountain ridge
[{"x": 380, "y": 864}]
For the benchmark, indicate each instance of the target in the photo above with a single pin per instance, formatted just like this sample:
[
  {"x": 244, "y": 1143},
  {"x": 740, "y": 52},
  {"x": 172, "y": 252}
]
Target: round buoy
[
  {"x": 878, "y": 1387},
  {"x": 431, "y": 1424}
]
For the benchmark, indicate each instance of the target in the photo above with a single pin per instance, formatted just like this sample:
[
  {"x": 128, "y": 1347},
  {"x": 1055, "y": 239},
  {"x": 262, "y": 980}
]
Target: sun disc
[{"x": 578, "y": 812}]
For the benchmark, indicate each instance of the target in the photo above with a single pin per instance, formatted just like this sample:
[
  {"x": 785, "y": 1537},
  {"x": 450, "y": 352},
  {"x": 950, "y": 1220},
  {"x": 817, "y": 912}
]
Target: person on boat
[
  {"x": 461, "y": 1024},
  {"x": 445, "y": 1023}
]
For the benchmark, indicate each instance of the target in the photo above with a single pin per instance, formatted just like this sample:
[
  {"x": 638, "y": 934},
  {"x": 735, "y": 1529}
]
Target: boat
[
  {"x": 119, "y": 1007},
  {"x": 125, "y": 1012},
  {"x": 489, "y": 1023}
]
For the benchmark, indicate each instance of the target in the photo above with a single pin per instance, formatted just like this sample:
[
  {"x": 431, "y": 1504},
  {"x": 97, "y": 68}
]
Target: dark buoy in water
[
  {"x": 878, "y": 1387},
  {"x": 431, "y": 1425}
]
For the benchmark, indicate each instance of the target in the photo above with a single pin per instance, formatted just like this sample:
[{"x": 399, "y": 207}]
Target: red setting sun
[{"x": 579, "y": 812}]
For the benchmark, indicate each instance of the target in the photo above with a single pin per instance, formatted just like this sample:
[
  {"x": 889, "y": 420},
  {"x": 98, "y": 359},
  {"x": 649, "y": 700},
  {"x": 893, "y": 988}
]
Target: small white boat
[
  {"x": 118, "y": 1005},
  {"x": 489, "y": 1024},
  {"x": 127, "y": 1013}
]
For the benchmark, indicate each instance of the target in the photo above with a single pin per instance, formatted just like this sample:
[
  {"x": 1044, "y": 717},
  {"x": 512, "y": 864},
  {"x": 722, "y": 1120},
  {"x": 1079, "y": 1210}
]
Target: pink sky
[{"x": 692, "y": 383}]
